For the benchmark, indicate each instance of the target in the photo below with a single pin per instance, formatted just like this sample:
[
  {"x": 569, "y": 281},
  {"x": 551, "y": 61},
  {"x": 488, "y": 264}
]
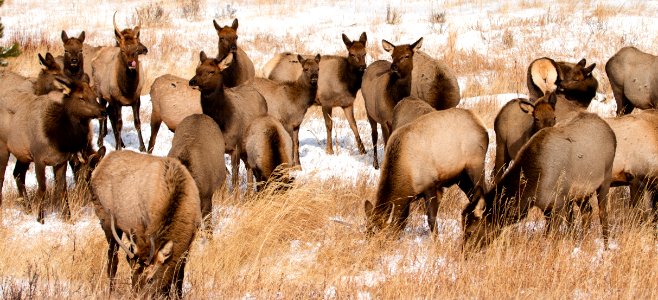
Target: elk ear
[
  {"x": 42, "y": 61},
  {"x": 526, "y": 106},
  {"x": 202, "y": 56},
  {"x": 50, "y": 63},
  {"x": 387, "y": 46},
  {"x": 300, "y": 59},
  {"x": 588, "y": 70},
  {"x": 81, "y": 37},
  {"x": 165, "y": 252},
  {"x": 95, "y": 158},
  {"x": 416, "y": 46},
  {"x": 552, "y": 99},
  {"x": 65, "y": 36},
  {"x": 136, "y": 31},
  {"x": 226, "y": 62},
  {"x": 582, "y": 62},
  {"x": 235, "y": 24},
  {"x": 318, "y": 58},
  {"x": 63, "y": 83},
  {"x": 478, "y": 211},
  {"x": 348, "y": 43},
  {"x": 217, "y": 27},
  {"x": 369, "y": 208},
  {"x": 363, "y": 38}
]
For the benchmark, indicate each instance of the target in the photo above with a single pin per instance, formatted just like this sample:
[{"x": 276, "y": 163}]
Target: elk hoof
[{"x": 330, "y": 150}]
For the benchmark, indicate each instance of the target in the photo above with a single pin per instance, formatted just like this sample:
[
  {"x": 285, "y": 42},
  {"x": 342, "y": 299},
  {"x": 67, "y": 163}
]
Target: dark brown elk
[
  {"x": 233, "y": 109},
  {"x": 408, "y": 110},
  {"x": 433, "y": 82},
  {"x": 172, "y": 100},
  {"x": 47, "y": 130},
  {"x": 269, "y": 151},
  {"x": 118, "y": 79},
  {"x": 545, "y": 75},
  {"x": 437, "y": 150},
  {"x": 242, "y": 68},
  {"x": 338, "y": 82},
  {"x": 288, "y": 101},
  {"x": 199, "y": 145},
  {"x": 557, "y": 167},
  {"x": 514, "y": 126},
  {"x": 73, "y": 59},
  {"x": 633, "y": 78},
  {"x": 384, "y": 85},
  {"x": 154, "y": 201}
]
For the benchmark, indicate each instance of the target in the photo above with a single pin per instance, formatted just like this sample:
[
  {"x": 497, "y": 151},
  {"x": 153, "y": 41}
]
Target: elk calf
[
  {"x": 155, "y": 202},
  {"x": 437, "y": 150}
]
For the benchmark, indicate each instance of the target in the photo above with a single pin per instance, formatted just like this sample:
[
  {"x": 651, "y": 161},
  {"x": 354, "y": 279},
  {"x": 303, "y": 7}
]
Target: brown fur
[
  {"x": 289, "y": 101},
  {"x": 543, "y": 76},
  {"x": 408, "y": 110},
  {"x": 47, "y": 130},
  {"x": 118, "y": 79},
  {"x": 233, "y": 109},
  {"x": 339, "y": 80},
  {"x": 172, "y": 101},
  {"x": 51, "y": 69},
  {"x": 384, "y": 85},
  {"x": 199, "y": 145},
  {"x": 73, "y": 59},
  {"x": 514, "y": 127},
  {"x": 634, "y": 79},
  {"x": 558, "y": 166},
  {"x": 269, "y": 147},
  {"x": 148, "y": 197},
  {"x": 437, "y": 150},
  {"x": 433, "y": 82},
  {"x": 242, "y": 68}
]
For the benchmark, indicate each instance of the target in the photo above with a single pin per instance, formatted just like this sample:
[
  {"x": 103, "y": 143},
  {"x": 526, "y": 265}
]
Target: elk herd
[{"x": 550, "y": 152}]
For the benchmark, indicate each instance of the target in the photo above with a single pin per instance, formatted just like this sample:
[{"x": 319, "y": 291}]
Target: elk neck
[
  {"x": 215, "y": 104},
  {"x": 352, "y": 77},
  {"x": 398, "y": 87},
  {"x": 67, "y": 132},
  {"x": 128, "y": 80}
]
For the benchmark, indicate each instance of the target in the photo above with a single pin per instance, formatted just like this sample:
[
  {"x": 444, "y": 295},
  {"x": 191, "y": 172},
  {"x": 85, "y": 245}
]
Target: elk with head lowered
[{"x": 118, "y": 79}]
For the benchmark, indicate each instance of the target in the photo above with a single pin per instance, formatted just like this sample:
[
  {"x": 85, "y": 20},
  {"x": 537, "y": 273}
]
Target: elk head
[
  {"x": 576, "y": 77},
  {"x": 79, "y": 99},
  {"x": 73, "y": 50},
  {"x": 208, "y": 75},
  {"x": 228, "y": 38},
  {"x": 45, "y": 80},
  {"x": 402, "y": 57},
  {"x": 311, "y": 68},
  {"x": 129, "y": 36},
  {"x": 356, "y": 51},
  {"x": 543, "y": 111}
]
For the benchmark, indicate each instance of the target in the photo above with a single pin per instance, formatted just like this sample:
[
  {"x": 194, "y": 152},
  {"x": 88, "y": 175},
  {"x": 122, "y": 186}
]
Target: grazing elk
[
  {"x": 384, "y": 85},
  {"x": 118, "y": 79},
  {"x": 233, "y": 109},
  {"x": 557, "y": 167},
  {"x": 634, "y": 79},
  {"x": 437, "y": 150},
  {"x": 288, "y": 101},
  {"x": 576, "y": 88},
  {"x": 433, "y": 82},
  {"x": 269, "y": 151},
  {"x": 408, "y": 110},
  {"x": 47, "y": 130},
  {"x": 338, "y": 82},
  {"x": 242, "y": 68},
  {"x": 199, "y": 145},
  {"x": 171, "y": 98},
  {"x": 155, "y": 202}
]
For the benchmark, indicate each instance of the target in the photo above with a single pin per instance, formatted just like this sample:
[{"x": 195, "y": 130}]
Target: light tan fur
[
  {"x": 268, "y": 146},
  {"x": 408, "y": 110},
  {"x": 544, "y": 75},
  {"x": 434, "y": 82}
]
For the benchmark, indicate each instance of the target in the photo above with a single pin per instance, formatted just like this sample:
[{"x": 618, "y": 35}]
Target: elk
[
  {"x": 514, "y": 126},
  {"x": 155, "y": 201},
  {"x": 233, "y": 109},
  {"x": 118, "y": 79},
  {"x": 47, "y": 130},
  {"x": 384, "y": 85},
  {"x": 409, "y": 109},
  {"x": 433, "y": 82},
  {"x": 199, "y": 145},
  {"x": 73, "y": 59},
  {"x": 269, "y": 151},
  {"x": 11, "y": 82},
  {"x": 288, "y": 101},
  {"x": 435, "y": 151},
  {"x": 338, "y": 82},
  {"x": 557, "y": 167},
  {"x": 170, "y": 98},
  {"x": 242, "y": 68},
  {"x": 543, "y": 75},
  {"x": 633, "y": 79}
]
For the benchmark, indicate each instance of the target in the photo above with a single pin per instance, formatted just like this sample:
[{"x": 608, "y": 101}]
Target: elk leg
[
  {"x": 102, "y": 124},
  {"x": 433, "y": 197},
  {"x": 328, "y": 123},
  {"x": 235, "y": 168},
  {"x": 386, "y": 132},
  {"x": 638, "y": 191},
  {"x": 654, "y": 199},
  {"x": 586, "y": 217},
  {"x": 502, "y": 158},
  {"x": 155, "y": 127},
  {"x": 349, "y": 114},
  {"x": 40, "y": 170},
  {"x": 112, "y": 114},
  {"x": 374, "y": 134},
  {"x": 138, "y": 124},
  {"x": 603, "y": 212},
  {"x": 20, "y": 171},
  {"x": 60, "y": 188},
  {"x": 4, "y": 160},
  {"x": 180, "y": 277},
  {"x": 295, "y": 148},
  {"x": 112, "y": 251}
]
